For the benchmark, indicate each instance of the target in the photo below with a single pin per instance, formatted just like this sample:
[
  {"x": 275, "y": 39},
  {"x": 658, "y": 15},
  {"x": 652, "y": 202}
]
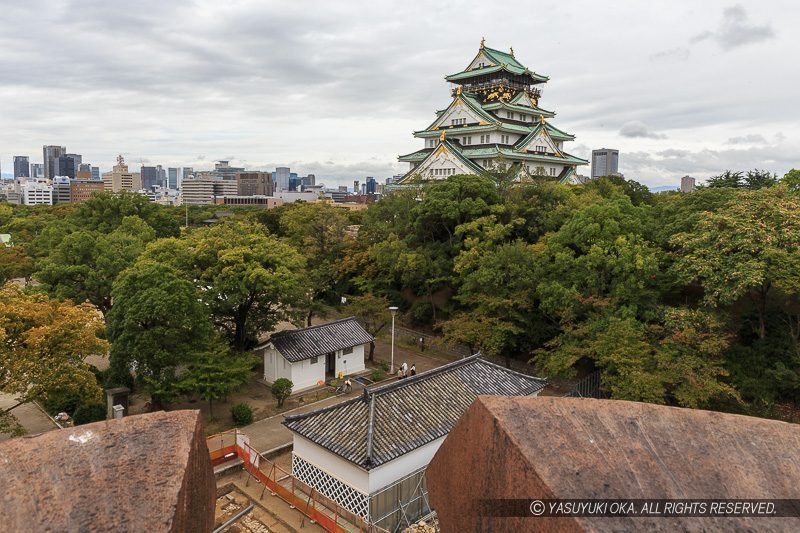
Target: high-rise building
[
  {"x": 36, "y": 193},
  {"x": 37, "y": 170},
  {"x": 119, "y": 179},
  {"x": 204, "y": 190},
  {"x": 371, "y": 185},
  {"x": 22, "y": 166},
  {"x": 687, "y": 184},
  {"x": 493, "y": 119},
  {"x": 308, "y": 181},
  {"x": 65, "y": 166},
  {"x": 50, "y": 155},
  {"x": 605, "y": 162},
  {"x": 172, "y": 178},
  {"x": 149, "y": 177},
  {"x": 281, "y": 178},
  {"x": 355, "y": 187}
]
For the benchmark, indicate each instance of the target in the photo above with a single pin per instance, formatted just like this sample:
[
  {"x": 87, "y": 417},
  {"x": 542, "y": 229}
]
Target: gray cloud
[
  {"x": 752, "y": 138},
  {"x": 638, "y": 129},
  {"x": 735, "y": 30},
  {"x": 680, "y": 53}
]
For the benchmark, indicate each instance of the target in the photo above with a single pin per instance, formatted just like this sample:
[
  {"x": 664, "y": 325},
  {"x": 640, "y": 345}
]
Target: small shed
[{"x": 309, "y": 355}]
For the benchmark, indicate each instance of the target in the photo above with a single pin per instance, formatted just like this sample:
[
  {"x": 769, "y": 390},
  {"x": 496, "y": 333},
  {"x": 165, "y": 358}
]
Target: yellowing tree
[{"x": 44, "y": 344}]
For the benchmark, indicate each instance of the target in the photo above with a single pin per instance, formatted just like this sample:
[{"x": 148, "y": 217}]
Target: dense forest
[{"x": 689, "y": 299}]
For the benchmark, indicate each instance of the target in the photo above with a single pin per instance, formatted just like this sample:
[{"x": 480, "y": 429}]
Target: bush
[
  {"x": 58, "y": 401},
  {"x": 93, "y": 412},
  {"x": 282, "y": 389},
  {"x": 242, "y": 414},
  {"x": 378, "y": 375}
]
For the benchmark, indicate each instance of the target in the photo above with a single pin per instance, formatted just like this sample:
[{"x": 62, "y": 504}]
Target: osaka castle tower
[{"x": 493, "y": 120}]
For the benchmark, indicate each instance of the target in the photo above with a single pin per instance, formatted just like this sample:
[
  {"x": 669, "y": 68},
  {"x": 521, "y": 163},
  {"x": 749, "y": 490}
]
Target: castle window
[{"x": 552, "y": 171}]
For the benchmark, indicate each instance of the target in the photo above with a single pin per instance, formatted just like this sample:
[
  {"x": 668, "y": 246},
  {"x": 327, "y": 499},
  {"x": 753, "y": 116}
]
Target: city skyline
[{"x": 678, "y": 88}]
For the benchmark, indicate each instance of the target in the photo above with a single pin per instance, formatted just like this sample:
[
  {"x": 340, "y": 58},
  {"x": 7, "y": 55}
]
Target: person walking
[
  {"x": 413, "y": 371},
  {"x": 404, "y": 368}
]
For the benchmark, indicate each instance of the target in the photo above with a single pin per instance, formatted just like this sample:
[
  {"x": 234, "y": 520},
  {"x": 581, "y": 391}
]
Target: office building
[
  {"x": 371, "y": 185},
  {"x": 281, "y": 178},
  {"x": 308, "y": 181},
  {"x": 62, "y": 190},
  {"x": 493, "y": 119},
  {"x": 22, "y": 166},
  {"x": 119, "y": 179},
  {"x": 605, "y": 162},
  {"x": 64, "y": 166},
  {"x": 37, "y": 170},
  {"x": 50, "y": 155},
  {"x": 172, "y": 178},
  {"x": 254, "y": 184},
  {"x": 36, "y": 193},
  {"x": 204, "y": 190},
  {"x": 81, "y": 190},
  {"x": 149, "y": 177}
]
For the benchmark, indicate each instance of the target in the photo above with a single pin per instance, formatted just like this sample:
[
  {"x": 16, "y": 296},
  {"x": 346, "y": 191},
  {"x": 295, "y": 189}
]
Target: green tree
[
  {"x": 744, "y": 250},
  {"x": 105, "y": 212},
  {"x": 282, "y": 389},
  {"x": 372, "y": 312},
  {"x": 758, "y": 179},
  {"x": 792, "y": 180},
  {"x": 85, "y": 264},
  {"x": 248, "y": 281},
  {"x": 215, "y": 373},
  {"x": 157, "y": 327},
  {"x": 727, "y": 179},
  {"x": 319, "y": 232}
]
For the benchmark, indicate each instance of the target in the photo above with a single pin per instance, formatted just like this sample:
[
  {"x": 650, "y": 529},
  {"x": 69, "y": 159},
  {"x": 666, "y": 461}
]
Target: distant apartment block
[
  {"x": 22, "y": 167},
  {"x": 81, "y": 189},
  {"x": 36, "y": 193},
  {"x": 687, "y": 184},
  {"x": 204, "y": 190},
  {"x": 605, "y": 162},
  {"x": 62, "y": 190},
  {"x": 254, "y": 184}
]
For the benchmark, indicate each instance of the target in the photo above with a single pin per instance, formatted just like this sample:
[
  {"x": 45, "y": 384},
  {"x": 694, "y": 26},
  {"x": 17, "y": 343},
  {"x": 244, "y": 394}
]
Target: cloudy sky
[{"x": 336, "y": 88}]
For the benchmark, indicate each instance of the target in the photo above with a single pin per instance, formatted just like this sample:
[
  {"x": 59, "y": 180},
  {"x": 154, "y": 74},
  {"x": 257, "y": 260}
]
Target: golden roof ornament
[
  {"x": 512, "y": 51},
  {"x": 483, "y": 43},
  {"x": 541, "y": 119},
  {"x": 442, "y": 136},
  {"x": 458, "y": 90}
]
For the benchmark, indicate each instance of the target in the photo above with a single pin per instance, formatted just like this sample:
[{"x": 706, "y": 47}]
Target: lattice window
[{"x": 351, "y": 499}]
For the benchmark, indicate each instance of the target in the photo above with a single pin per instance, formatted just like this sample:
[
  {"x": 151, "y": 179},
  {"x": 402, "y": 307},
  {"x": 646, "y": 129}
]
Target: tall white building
[
  {"x": 494, "y": 118},
  {"x": 36, "y": 193},
  {"x": 605, "y": 162}
]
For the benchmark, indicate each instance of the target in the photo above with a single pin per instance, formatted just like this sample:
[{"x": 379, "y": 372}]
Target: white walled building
[
  {"x": 312, "y": 355},
  {"x": 494, "y": 119},
  {"x": 371, "y": 452},
  {"x": 36, "y": 193}
]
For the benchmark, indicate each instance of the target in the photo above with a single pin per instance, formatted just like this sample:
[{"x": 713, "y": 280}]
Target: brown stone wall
[{"x": 141, "y": 473}]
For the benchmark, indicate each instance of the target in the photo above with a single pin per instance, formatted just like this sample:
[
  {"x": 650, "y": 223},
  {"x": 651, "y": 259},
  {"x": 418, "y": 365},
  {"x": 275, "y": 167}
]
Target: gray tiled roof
[
  {"x": 391, "y": 420},
  {"x": 299, "y": 344}
]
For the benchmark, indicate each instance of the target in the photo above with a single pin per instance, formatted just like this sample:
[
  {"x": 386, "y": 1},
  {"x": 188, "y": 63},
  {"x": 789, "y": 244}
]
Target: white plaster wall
[
  {"x": 388, "y": 473},
  {"x": 456, "y": 112},
  {"x": 331, "y": 463},
  {"x": 350, "y": 363},
  {"x": 271, "y": 357},
  {"x": 306, "y": 375}
]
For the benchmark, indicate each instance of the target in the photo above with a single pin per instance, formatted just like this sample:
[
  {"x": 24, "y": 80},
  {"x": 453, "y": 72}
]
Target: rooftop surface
[
  {"x": 554, "y": 447},
  {"x": 299, "y": 344},
  {"x": 391, "y": 420}
]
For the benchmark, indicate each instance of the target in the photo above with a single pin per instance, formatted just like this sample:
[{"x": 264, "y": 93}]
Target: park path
[{"x": 269, "y": 434}]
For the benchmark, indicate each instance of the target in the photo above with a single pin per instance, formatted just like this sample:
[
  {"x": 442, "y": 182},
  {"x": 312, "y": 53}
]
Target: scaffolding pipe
[{"x": 234, "y": 518}]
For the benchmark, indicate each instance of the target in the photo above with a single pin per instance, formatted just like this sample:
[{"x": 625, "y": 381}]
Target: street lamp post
[{"x": 393, "y": 309}]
